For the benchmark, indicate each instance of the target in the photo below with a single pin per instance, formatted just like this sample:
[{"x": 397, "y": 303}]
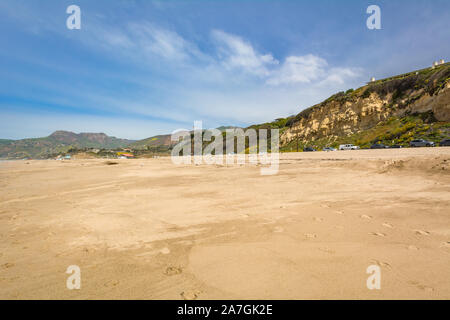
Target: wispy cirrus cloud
[
  {"x": 143, "y": 42},
  {"x": 165, "y": 43}
]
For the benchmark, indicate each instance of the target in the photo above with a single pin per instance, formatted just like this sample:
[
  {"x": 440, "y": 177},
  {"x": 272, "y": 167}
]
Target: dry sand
[{"x": 147, "y": 229}]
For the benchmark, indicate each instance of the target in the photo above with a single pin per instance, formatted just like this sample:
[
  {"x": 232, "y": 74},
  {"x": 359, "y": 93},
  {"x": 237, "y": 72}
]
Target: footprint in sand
[
  {"x": 445, "y": 244},
  {"x": 164, "y": 250},
  {"x": 171, "y": 271},
  {"x": 421, "y": 232},
  {"x": 327, "y": 250},
  {"x": 421, "y": 286},
  {"x": 411, "y": 247},
  {"x": 190, "y": 294},
  {"x": 325, "y": 206},
  {"x": 87, "y": 250},
  {"x": 379, "y": 234},
  {"x": 318, "y": 219},
  {"x": 278, "y": 229},
  {"x": 8, "y": 265},
  {"x": 310, "y": 235},
  {"x": 365, "y": 216},
  {"x": 186, "y": 242},
  {"x": 339, "y": 212},
  {"x": 381, "y": 263},
  {"x": 387, "y": 225},
  {"x": 111, "y": 283},
  {"x": 425, "y": 288}
]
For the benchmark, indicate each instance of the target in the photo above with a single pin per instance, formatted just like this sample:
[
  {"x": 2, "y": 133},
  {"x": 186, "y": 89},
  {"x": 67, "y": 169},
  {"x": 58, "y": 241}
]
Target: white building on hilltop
[{"x": 441, "y": 61}]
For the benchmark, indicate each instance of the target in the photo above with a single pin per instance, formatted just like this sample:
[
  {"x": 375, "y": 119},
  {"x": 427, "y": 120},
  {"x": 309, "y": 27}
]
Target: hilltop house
[{"x": 437, "y": 63}]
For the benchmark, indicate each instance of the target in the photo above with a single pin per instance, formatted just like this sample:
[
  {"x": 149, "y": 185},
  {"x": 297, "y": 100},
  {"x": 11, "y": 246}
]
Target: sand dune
[{"x": 147, "y": 229}]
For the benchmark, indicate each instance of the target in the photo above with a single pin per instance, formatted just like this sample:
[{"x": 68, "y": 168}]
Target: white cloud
[
  {"x": 299, "y": 69},
  {"x": 234, "y": 52},
  {"x": 310, "y": 69},
  {"x": 341, "y": 75}
]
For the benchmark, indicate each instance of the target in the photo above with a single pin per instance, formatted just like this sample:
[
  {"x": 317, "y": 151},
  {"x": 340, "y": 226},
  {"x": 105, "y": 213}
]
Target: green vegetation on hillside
[
  {"x": 392, "y": 131},
  {"x": 152, "y": 142}
]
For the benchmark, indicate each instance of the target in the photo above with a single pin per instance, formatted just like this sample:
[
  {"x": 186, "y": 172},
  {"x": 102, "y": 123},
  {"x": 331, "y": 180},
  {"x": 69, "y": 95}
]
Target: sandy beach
[{"x": 148, "y": 229}]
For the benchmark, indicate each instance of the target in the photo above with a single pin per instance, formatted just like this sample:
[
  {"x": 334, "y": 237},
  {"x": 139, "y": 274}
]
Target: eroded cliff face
[
  {"x": 346, "y": 114},
  {"x": 439, "y": 104},
  {"x": 337, "y": 119}
]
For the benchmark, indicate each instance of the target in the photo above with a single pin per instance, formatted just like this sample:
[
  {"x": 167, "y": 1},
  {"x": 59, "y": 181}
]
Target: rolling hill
[
  {"x": 58, "y": 142},
  {"x": 152, "y": 142}
]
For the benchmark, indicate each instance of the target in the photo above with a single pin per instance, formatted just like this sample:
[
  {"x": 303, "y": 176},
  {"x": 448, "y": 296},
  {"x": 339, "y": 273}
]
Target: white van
[{"x": 348, "y": 147}]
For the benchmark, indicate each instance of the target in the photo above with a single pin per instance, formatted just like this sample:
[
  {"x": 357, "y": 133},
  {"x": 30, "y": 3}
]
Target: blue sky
[{"x": 140, "y": 68}]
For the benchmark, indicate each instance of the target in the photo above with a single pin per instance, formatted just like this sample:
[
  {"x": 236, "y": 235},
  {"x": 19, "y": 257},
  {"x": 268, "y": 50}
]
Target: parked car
[
  {"x": 445, "y": 143},
  {"x": 378, "y": 146},
  {"x": 328, "y": 149},
  {"x": 348, "y": 147},
  {"x": 421, "y": 143},
  {"x": 396, "y": 146},
  {"x": 309, "y": 149}
]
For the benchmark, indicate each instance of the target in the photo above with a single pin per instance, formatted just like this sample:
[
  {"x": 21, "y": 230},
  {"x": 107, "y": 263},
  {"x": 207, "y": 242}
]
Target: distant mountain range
[
  {"x": 58, "y": 142},
  {"x": 64, "y": 141},
  {"x": 162, "y": 142}
]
